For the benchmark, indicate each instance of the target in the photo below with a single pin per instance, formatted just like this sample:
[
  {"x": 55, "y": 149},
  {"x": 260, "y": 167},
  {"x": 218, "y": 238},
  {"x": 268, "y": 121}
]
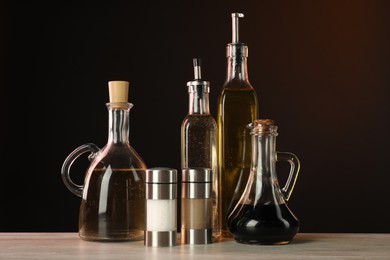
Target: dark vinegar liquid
[
  {"x": 265, "y": 224},
  {"x": 113, "y": 205}
]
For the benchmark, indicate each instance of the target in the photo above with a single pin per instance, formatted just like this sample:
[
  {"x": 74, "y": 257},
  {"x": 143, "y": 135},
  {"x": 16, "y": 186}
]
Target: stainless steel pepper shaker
[{"x": 196, "y": 206}]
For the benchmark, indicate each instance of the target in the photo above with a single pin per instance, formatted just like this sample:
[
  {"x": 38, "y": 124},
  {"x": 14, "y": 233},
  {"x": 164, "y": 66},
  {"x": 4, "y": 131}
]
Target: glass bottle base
[
  {"x": 264, "y": 224},
  {"x": 225, "y": 234},
  {"x": 257, "y": 242},
  {"x": 138, "y": 236}
]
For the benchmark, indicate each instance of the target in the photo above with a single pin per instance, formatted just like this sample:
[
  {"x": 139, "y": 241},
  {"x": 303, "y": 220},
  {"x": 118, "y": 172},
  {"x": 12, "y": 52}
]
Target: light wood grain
[{"x": 304, "y": 246}]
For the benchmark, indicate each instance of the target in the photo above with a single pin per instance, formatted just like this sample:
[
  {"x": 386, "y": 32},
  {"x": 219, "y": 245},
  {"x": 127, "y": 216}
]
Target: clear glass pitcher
[
  {"x": 113, "y": 194},
  {"x": 261, "y": 215}
]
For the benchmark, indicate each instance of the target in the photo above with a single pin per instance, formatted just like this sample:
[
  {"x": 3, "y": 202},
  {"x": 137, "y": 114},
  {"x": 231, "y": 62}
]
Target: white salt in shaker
[
  {"x": 196, "y": 206},
  {"x": 161, "y": 207}
]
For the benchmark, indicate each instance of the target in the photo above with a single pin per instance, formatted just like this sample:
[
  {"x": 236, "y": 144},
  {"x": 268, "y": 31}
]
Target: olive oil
[
  {"x": 237, "y": 107},
  {"x": 199, "y": 133},
  {"x": 199, "y": 136}
]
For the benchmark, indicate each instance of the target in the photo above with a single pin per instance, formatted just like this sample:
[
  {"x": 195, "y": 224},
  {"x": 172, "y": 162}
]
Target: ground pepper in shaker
[
  {"x": 196, "y": 206},
  {"x": 161, "y": 207}
]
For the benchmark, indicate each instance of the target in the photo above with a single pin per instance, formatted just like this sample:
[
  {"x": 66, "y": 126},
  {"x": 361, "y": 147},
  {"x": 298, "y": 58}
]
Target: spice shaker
[
  {"x": 161, "y": 207},
  {"x": 196, "y": 207}
]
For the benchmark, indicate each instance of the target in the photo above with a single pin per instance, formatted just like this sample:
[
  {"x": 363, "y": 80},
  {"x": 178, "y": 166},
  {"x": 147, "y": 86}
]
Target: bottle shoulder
[
  {"x": 238, "y": 93},
  {"x": 238, "y": 84},
  {"x": 120, "y": 155}
]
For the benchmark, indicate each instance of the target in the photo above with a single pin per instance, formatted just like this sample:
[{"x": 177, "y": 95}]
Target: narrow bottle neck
[
  {"x": 118, "y": 125},
  {"x": 198, "y": 103},
  {"x": 264, "y": 156},
  {"x": 237, "y": 68}
]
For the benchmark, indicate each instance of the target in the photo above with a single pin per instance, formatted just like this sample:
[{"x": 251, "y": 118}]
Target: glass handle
[
  {"x": 65, "y": 170},
  {"x": 294, "y": 170}
]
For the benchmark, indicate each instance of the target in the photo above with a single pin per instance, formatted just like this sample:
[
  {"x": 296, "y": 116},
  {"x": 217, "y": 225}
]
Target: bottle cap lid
[
  {"x": 237, "y": 50},
  {"x": 196, "y": 175},
  {"x": 161, "y": 175},
  {"x": 118, "y": 91},
  {"x": 263, "y": 127},
  {"x": 198, "y": 85}
]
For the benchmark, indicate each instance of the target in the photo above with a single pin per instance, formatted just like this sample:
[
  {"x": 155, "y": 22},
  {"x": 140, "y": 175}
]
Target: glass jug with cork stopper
[
  {"x": 261, "y": 216},
  {"x": 113, "y": 194}
]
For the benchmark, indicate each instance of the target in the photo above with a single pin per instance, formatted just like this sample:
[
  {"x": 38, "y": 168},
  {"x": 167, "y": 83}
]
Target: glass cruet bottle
[
  {"x": 199, "y": 135},
  {"x": 237, "y": 107},
  {"x": 113, "y": 194},
  {"x": 261, "y": 216}
]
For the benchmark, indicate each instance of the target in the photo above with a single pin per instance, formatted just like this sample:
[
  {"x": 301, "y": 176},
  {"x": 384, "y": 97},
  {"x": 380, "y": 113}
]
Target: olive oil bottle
[{"x": 237, "y": 107}]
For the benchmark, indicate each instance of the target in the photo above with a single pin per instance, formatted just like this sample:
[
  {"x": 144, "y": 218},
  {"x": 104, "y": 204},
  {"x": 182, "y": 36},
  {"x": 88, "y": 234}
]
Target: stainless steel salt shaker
[{"x": 161, "y": 207}]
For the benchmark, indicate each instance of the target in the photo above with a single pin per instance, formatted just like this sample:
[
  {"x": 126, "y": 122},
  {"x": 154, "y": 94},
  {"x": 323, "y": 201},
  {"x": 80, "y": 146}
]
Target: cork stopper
[
  {"x": 118, "y": 91},
  {"x": 263, "y": 127}
]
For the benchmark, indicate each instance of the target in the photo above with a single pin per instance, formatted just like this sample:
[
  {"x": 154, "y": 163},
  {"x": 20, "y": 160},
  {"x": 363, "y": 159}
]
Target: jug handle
[
  {"x": 293, "y": 175},
  {"x": 65, "y": 170}
]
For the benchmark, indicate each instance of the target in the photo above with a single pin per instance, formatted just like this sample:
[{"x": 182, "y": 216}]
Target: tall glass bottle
[
  {"x": 113, "y": 194},
  {"x": 237, "y": 107},
  {"x": 199, "y": 134}
]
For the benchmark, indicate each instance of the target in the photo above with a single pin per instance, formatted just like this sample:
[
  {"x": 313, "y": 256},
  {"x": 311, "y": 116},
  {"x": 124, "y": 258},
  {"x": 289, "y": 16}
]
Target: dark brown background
[{"x": 321, "y": 69}]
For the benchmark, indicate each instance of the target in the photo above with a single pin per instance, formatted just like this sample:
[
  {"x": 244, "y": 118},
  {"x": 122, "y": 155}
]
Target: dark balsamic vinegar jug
[{"x": 261, "y": 216}]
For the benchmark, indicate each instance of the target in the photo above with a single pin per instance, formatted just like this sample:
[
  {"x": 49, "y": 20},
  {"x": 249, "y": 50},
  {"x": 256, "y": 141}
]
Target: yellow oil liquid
[
  {"x": 237, "y": 108},
  {"x": 199, "y": 149}
]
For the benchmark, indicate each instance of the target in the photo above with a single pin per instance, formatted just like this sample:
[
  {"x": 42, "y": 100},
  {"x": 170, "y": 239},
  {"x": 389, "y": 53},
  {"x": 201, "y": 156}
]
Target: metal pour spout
[
  {"x": 197, "y": 69},
  {"x": 235, "y": 32}
]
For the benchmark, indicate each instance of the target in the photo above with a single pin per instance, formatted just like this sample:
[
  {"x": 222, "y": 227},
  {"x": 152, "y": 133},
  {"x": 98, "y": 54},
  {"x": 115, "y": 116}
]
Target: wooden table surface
[{"x": 304, "y": 246}]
